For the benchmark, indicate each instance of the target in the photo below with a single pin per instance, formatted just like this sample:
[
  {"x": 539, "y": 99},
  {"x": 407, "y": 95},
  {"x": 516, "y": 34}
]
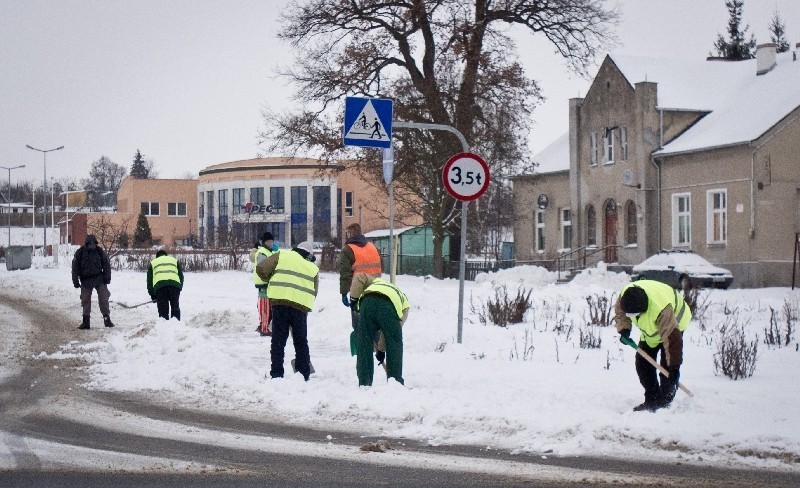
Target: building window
[
  {"x": 682, "y": 219},
  {"x": 201, "y": 208},
  {"x": 277, "y": 199},
  {"x": 623, "y": 143},
  {"x": 176, "y": 209},
  {"x": 631, "y": 232},
  {"x": 238, "y": 200},
  {"x": 322, "y": 213},
  {"x": 257, "y": 196},
  {"x": 539, "y": 231},
  {"x": 222, "y": 201},
  {"x": 299, "y": 217},
  {"x": 348, "y": 204},
  {"x": 591, "y": 226},
  {"x": 717, "y": 216},
  {"x": 566, "y": 229},
  {"x": 150, "y": 208},
  {"x": 210, "y": 205},
  {"x": 608, "y": 146},
  {"x": 593, "y": 148}
]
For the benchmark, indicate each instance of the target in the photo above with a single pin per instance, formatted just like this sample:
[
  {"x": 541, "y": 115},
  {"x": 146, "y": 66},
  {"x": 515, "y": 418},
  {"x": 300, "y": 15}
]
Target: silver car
[{"x": 682, "y": 269}]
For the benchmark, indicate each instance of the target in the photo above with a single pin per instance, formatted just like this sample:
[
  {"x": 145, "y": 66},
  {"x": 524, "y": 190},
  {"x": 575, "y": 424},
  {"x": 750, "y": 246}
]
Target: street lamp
[
  {"x": 8, "y": 200},
  {"x": 44, "y": 152}
]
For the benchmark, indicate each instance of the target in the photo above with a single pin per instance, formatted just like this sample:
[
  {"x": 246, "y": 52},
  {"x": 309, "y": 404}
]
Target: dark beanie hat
[
  {"x": 633, "y": 300},
  {"x": 267, "y": 236},
  {"x": 90, "y": 239}
]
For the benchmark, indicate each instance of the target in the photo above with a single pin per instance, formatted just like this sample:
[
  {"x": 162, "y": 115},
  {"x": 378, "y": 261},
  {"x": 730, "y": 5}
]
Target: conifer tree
[
  {"x": 777, "y": 33},
  {"x": 139, "y": 169},
  {"x": 142, "y": 236},
  {"x": 737, "y": 46}
]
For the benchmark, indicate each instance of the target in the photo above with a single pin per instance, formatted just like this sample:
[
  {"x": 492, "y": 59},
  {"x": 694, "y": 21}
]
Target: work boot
[
  {"x": 176, "y": 314},
  {"x": 646, "y": 407},
  {"x": 107, "y": 321},
  {"x": 85, "y": 324}
]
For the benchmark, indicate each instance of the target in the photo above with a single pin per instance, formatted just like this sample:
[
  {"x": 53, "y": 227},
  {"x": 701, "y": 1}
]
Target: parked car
[{"x": 682, "y": 269}]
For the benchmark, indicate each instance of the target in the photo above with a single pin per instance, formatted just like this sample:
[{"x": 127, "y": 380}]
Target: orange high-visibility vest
[{"x": 367, "y": 260}]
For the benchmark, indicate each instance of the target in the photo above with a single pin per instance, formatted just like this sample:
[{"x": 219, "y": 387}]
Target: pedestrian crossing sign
[{"x": 368, "y": 122}]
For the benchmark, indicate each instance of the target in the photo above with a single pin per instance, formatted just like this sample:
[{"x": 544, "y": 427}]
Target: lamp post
[
  {"x": 8, "y": 200},
  {"x": 44, "y": 152}
]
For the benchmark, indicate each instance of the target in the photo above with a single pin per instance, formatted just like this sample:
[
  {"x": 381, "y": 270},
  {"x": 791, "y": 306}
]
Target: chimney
[{"x": 765, "y": 58}]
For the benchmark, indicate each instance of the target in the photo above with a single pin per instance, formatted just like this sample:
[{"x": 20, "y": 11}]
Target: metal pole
[
  {"x": 462, "y": 269},
  {"x": 462, "y": 263},
  {"x": 44, "y": 195},
  {"x": 8, "y": 200}
]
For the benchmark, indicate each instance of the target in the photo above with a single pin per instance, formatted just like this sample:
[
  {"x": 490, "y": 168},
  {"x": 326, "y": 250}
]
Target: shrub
[
  {"x": 735, "y": 356},
  {"x": 589, "y": 337},
  {"x": 601, "y": 309},
  {"x": 775, "y": 335},
  {"x": 698, "y": 302},
  {"x": 503, "y": 310}
]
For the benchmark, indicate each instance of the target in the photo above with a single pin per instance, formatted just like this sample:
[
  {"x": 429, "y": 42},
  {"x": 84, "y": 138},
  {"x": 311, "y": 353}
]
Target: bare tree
[
  {"x": 110, "y": 231},
  {"x": 443, "y": 61}
]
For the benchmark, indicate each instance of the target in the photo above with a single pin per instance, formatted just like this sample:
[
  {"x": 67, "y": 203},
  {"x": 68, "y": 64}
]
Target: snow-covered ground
[{"x": 529, "y": 387}]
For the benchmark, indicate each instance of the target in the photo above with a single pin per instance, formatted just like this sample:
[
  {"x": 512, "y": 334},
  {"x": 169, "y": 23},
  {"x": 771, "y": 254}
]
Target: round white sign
[{"x": 466, "y": 176}]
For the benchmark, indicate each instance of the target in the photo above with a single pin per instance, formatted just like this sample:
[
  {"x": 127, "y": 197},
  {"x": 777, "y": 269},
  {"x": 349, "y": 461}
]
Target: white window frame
[
  {"x": 593, "y": 149},
  {"x": 348, "y": 209},
  {"x": 174, "y": 209},
  {"x": 539, "y": 232},
  {"x": 715, "y": 214},
  {"x": 566, "y": 229},
  {"x": 150, "y": 206},
  {"x": 608, "y": 147},
  {"x": 681, "y": 220},
  {"x": 623, "y": 143}
]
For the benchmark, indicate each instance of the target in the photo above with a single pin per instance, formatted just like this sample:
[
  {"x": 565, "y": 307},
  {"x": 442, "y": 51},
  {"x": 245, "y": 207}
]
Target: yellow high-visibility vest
[
  {"x": 293, "y": 280},
  {"x": 165, "y": 268},
  {"x": 390, "y": 291},
  {"x": 659, "y": 295}
]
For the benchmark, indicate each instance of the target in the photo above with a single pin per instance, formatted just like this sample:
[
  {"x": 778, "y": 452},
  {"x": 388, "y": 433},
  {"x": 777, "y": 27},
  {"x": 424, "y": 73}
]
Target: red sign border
[{"x": 452, "y": 161}]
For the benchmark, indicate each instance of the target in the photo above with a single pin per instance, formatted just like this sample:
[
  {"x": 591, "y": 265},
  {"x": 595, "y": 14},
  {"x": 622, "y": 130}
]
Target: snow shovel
[
  {"x": 640, "y": 351},
  {"x": 133, "y": 306}
]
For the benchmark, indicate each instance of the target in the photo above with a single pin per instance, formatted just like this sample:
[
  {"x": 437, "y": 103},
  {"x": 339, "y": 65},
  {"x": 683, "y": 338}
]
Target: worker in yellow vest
[
  {"x": 661, "y": 315},
  {"x": 292, "y": 282},
  {"x": 265, "y": 247},
  {"x": 382, "y": 307},
  {"x": 164, "y": 284}
]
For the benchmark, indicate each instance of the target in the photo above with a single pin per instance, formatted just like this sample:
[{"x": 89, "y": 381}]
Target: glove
[
  {"x": 76, "y": 285},
  {"x": 152, "y": 298},
  {"x": 625, "y": 338},
  {"x": 345, "y": 300},
  {"x": 380, "y": 356}
]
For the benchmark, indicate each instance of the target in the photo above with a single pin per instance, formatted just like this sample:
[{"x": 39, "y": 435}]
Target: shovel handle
[{"x": 661, "y": 369}]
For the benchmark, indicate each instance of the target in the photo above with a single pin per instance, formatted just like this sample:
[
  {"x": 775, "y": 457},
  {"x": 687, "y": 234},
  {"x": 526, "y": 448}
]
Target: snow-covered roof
[
  {"x": 555, "y": 157},
  {"x": 385, "y": 232},
  {"x": 742, "y": 106}
]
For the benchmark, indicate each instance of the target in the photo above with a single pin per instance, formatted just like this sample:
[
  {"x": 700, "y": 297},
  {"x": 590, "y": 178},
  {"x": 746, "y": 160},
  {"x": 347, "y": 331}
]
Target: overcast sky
[{"x": 185, "y": 81}]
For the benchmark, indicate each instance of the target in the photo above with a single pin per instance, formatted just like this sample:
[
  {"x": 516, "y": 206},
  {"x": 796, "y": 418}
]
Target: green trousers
[{"x": 378, "y": 313}]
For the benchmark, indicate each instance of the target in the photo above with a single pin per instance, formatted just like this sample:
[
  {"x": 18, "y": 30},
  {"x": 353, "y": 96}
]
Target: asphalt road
[{"x": 54, "y": 432}]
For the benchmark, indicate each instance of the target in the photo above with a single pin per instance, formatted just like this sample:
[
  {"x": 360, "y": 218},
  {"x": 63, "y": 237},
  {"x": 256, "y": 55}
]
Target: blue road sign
[{"x": 368, "y": 122}]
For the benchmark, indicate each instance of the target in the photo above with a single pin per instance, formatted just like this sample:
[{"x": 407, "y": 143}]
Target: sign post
[{"x": 466, "y": 178}]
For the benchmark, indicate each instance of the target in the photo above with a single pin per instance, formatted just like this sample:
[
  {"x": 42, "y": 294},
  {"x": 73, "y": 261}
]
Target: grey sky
[{"x": 185, "y": 81}]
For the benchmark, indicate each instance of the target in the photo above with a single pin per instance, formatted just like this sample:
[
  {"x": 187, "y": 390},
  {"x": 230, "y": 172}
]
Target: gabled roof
[
  {"x": 741, "y": 106},
  {"x": 554, "y": 158}
]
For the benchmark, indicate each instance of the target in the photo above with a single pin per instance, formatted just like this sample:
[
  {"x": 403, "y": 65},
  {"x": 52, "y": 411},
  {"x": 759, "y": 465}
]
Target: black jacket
[{"x": 90, "y": 266}]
